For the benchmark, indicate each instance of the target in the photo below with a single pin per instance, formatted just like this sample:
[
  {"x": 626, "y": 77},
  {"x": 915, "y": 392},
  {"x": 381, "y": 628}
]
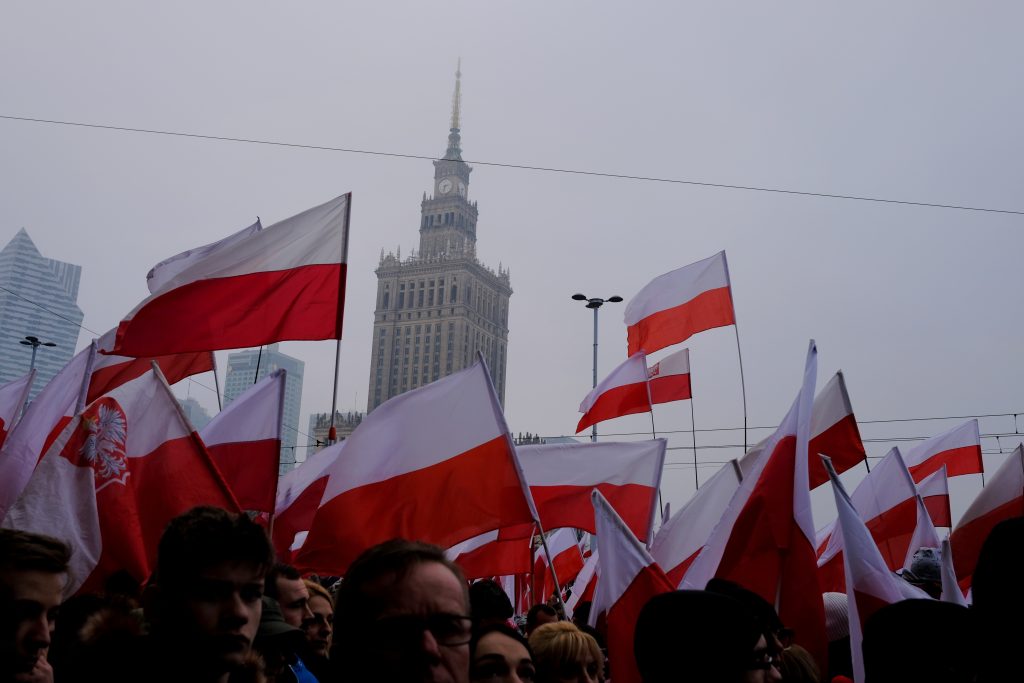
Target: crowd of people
[{"x": 218, "y": 608}]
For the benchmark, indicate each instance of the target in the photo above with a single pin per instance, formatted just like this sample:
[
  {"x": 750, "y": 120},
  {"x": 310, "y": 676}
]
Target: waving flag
[
  {"x": 298, "y": 496},
  {"x": 959, "y": 450},
  {"x": 623, "y": 392},
  {"x": 282, "y": 283},
  {"x": 489, "y": 555},
  {"x": 164, "y": 272},
  {"x": 244, "y": 440},
  {"x": 677, "y": 305},
  {"x": 566, "y": 559},
  {"x": 583, "y": 587},
  {"x": 121, "y": 470},
  {"x": 1002, "y": 498},
  {"x": 435, "y": 464},
  {"x": 110, "y": 371},
  {"x": 934, "y": 489},
  {"x": 670, "y": 378},
  {"x": 833, "y": 432},
  {"x": 12, "y": 399},
  {"x": 561, "y": 477}
]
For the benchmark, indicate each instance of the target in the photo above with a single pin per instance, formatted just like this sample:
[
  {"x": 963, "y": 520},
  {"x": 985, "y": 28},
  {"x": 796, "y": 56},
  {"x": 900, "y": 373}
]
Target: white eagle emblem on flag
[{"x": 100, "y": 442}]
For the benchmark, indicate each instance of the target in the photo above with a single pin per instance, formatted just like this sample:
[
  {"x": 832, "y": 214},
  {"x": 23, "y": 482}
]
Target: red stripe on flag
[
  {"x": 675, "y": 575},
  {"x": 867, "y": 605},
  {"x": 966, "y": 540},
  {"x": 175, "y": 367},
  {"x": 938, "y": 510},
  {"x": 570, "y": 506},
  {"x": 842, "y": 443},
  {"x": 616, "y": 402},
  {"x": 963, "y": 460},
  {"x": 250, "y": 470},
  {"x": 667, "y": 388},
  {"x": 705, "y": 311},
  {"x": 497, "y": 558},
  {"x": 244, "y": 310},
  {"x": 623, "y": 615},
  {"x": 297, "y": 517}
]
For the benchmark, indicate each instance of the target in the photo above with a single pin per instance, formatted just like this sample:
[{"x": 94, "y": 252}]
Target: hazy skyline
[{"x": 919, "y": 306}]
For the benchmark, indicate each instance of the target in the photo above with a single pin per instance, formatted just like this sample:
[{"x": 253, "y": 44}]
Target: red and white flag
[
  {"x": 951, "y": 591},
  {"x": 765, "y": 540},
  {"x": 623, "y": 392},
  {"x": 489, "y": 555},
  {"x": 110, "y": 371},
  {"x": 434, "y": 464},
  {"x": 834, "y": 432},
  {"x": 168, "y": 269},
  {"x": 870, "y": 584},
  {"x": 283, "y": 283},
  {"x": 583, "y": 587},
  {"x": 682, "y": 536},
  {"x": 959, "y": 450},
  {"x": 629, "y": 578},
  {"x": 12, "y": 399},
  {"x": 670, "y": 378},
  {"x": 121, "y": 470},
  {"x": 1002, "y": 498},
  {"x": 561, "y": 477},
  {"x": 298, "y": 496},
  {"x": 244, "y": 440},
  {"x": 677, "y": 305},
  {"x": 934, "y": 489},
  {"x": 566, "y": 559},
  {"x": 925, "y": 535}
]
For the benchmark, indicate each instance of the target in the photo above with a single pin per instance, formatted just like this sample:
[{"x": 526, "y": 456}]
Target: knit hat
[
  {"x": 837, "y": 618},
  {"x": 926, "y": 565}
]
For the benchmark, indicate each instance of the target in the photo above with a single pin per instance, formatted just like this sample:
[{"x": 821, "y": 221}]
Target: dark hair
[
  {"x": 279, "y": 569},
  {"x": 205, "y": 537},
  {"x": 25, "y": 551},
  {"x": 504, "y": 630},
  {"x": 531, "y": 615},
  {"x": 487, "y": 600}
]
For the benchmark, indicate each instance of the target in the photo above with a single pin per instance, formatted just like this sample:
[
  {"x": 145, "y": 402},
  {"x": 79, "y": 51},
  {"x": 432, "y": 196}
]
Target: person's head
[
  {"x": 925, "y": 571},
  {"x": 538, "y": 615},
  {"x": 581, "y": 615},
  {"x": 909, "y": 626},
  {"x": 277, "y": 641},
  {"x": 700, "y": 636},
  {"x": 209, "y": 579},
  {"x": 33, "y": 571},
  {"x": 284, "y": 584},
  {"x": 998, "y": 594},
  {"x": 403, "y": 616},
  {"x": 565, "y": 654},
  {"x": 489, "y": 603},
  {"x": 498, "y": 654},
  {"x": 320, "y": 626},
  {"x": 776, "y": 634},
  {"x": 798, "y": 666}
]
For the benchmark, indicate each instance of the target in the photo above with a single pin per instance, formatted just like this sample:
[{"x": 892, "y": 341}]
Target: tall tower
[{"x": 439, "y": 306}]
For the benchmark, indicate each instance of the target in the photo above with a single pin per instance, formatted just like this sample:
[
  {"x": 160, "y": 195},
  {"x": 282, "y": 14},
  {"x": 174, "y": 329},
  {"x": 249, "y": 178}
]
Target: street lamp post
[
  {"x": 595, "y": 303},
  {"x": 35, "y": 344}
]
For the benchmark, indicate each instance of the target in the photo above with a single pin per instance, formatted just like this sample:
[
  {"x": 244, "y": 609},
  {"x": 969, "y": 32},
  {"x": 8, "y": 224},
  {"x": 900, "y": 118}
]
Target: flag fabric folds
[
  {"x": 677, "y": 305},
  {"x": 566, "y": 560},
  {"x": 110, "y": 371},
  {"x": 1002, "y": 498},
  {"x": 121, "y": 470},
  {"x": 244, "y": 440},
  {"x": 834, "y": 432},
  {"x": 629, "y": 577},
  {"x": 490, "y": 555},
  {"x": 561, "y": 477},
  {"x": 12, "y": 399},
  {"x": 623, "y": 392},
  {"x": 959, "y": 449},
  {"x": 435, "y": 464},
  {"x": 934, "y": 489},
  {"x": 298, "y": 496},
  {"x": 285, "y": 282},
  {"x": 670, "y": 378},
  {"x": 168, "y": 269}
]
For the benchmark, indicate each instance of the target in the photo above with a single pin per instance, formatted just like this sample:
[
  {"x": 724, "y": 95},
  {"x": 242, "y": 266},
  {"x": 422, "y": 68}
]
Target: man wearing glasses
[{"x": 403, "y": 615}]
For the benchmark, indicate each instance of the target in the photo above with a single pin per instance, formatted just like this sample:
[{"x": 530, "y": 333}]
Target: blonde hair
[
  {"x": 315, "y": 588},
  {"x": 562, "y": 643}
]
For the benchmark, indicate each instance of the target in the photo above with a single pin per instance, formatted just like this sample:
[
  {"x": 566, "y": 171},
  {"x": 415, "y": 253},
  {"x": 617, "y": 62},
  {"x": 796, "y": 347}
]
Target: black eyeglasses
[{"x": 449, "y": 630}]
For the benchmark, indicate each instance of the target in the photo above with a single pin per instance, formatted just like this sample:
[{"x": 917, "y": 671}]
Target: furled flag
[
  {"x": 677, "y": 305},
  {"x": 282, "y": 283},
  {"x": 561, "y": 477},
  {"x": 629, "y": 577},
  {"x": 1002, "y": 498},
  {"x": 869, "y": 585},
  {"x": 49, "y": 412},
  {"x": 623, "y": 392},
  {"x": 670, "y": 378},
  {"x": 12, "y": 400},
  {"x": 951, "y": 591},
  {"x": 834, "y": 432},
  {"x": 168, "y": 269},
  {"x": 566, "y": 559},
  {"x": 298, "y": 496},
  {"x": 114, "y": 478},
  {"x": 765, "y": 540},
  {"x": 489, "y": 555},
  {"x": 244, "y": 440},
  {"x": 681, "y": 537},
  {"x": 959, "y": 450},
  {"x": 434, "y": 464},
  {"x": 110, "y": 371}
]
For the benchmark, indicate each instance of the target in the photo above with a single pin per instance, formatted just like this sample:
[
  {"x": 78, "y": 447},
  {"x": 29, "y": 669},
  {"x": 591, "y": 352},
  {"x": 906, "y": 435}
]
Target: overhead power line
[{"x": 521, "y": 167}]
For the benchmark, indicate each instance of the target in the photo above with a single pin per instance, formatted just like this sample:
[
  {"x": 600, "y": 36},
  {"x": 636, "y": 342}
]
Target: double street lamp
[{"x": 595, "y": 303}]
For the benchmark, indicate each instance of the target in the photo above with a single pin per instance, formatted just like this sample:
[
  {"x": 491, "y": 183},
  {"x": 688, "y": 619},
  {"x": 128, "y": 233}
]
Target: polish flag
[
  {"x": 168, "y": 269},
  {"x": 959, "y": 449},
  {"x": 870, "y": 584},
  {"x": 629, "y": 578},
  {"x": 1002, "y": 498},
  {"x": 925, "y": 535},
  {"x": 12, "y": 399},
  {"x": 886, "y": 500},
  {"x": 45, "y": 417},
  {"x": 670, "y": 378},
  {"x": 681, "y": 537},
  {"x": 245, "y": 442},
  {"x": 583, "y": 587},
  {"x": 834, "y": 432},
  {"x": 110, "y": 371},
  {"x": 435, "y": 464},
  {"x": 561, "y": 477},
  {"x": 677, "y": 305},
  {"x": 282, "y": 283},
  {"x": 951, "y": 591},
  {"x": 934, "y": 489},
  {"x": 121, "y": 470},
  {"x": 566, "y": 559},
  {"x": 623, "y": 392},
  {"x": 489, "y": 555},
  {"x": 298, "y": 496},
  {"x": 765, "y": 540}
]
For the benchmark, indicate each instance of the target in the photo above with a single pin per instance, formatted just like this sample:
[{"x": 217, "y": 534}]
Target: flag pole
[
  {"x": 216, "y": 380},
  {"x": 693, "y": 432},
  {"x": 743, "y": 384},
  {"x": 259, "y": 356},
  {"x": 332, "y": 432},
  {"x": 654, "y": 433}
]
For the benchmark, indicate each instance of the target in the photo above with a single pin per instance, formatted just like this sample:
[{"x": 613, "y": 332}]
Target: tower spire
[{"x": 454, "y": 150}]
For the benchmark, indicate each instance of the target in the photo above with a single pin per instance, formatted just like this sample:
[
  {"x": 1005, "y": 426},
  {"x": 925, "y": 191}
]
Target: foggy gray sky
[{"x": 917, "y": 101}]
